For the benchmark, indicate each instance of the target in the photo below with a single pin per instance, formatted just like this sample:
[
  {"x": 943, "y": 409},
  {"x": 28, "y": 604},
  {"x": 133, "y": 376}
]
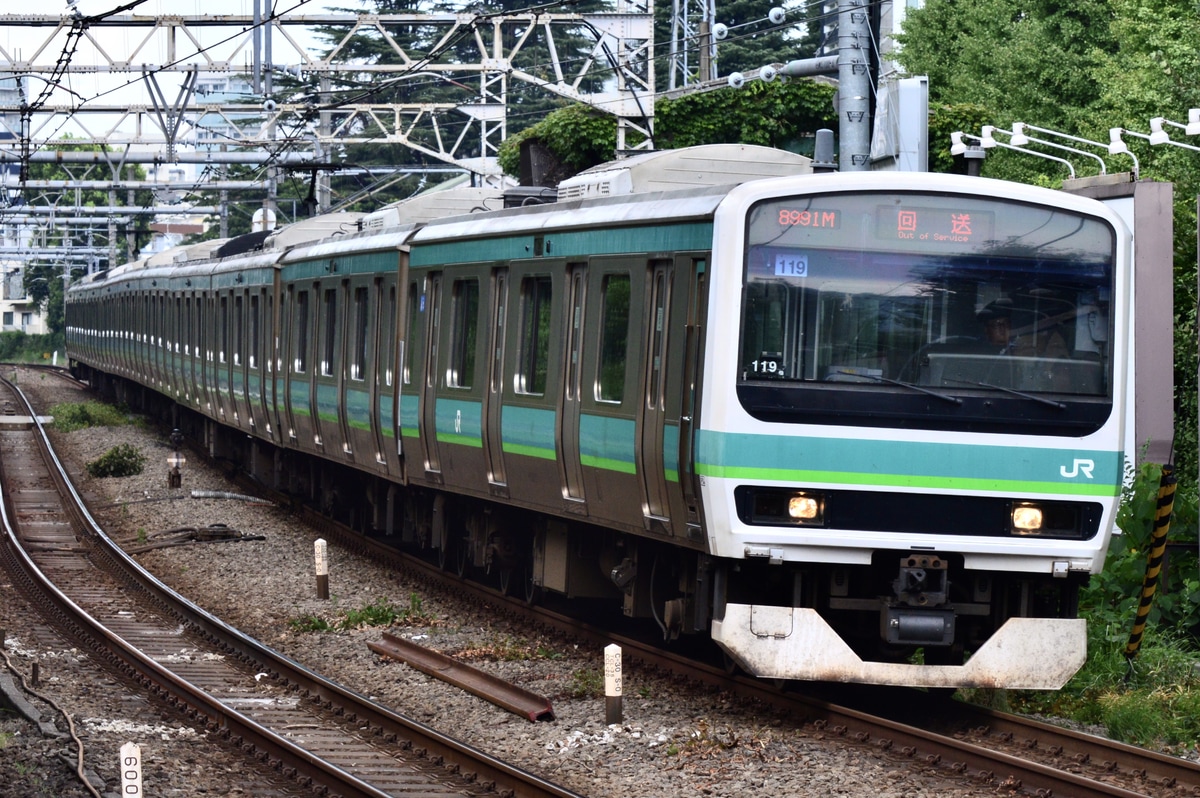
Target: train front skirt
[{"x": 796, "y": 643}]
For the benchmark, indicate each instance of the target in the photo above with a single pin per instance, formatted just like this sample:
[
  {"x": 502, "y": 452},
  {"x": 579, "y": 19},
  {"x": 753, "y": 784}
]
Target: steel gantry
[
  {"x": 148, "y": 104},
  {"x": 485, "y": 53}
]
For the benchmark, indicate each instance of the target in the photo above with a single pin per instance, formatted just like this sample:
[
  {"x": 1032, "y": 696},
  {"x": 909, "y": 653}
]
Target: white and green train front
[{"x": 915, "y": 434}]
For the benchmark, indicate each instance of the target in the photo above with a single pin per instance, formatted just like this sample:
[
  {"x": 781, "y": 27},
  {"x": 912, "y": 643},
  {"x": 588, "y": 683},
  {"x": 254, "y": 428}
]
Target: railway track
[
  {"x": 286, "y": 718},
  {"x": 1010, "y": 754}
]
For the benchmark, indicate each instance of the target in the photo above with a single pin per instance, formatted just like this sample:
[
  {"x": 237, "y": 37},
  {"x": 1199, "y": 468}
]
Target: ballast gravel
[{"x": 676, "y": 739}]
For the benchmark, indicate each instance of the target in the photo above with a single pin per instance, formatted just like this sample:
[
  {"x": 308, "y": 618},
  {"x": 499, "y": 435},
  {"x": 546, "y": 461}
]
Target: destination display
[{"x": 935, "y": 224}]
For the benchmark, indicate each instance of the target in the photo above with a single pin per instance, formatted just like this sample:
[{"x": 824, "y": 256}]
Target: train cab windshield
[{"x": 927, "y": 310}]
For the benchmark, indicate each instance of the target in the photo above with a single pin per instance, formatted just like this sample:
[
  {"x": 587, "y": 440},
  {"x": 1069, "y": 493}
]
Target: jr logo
[{"x": 1078, "y": 467}]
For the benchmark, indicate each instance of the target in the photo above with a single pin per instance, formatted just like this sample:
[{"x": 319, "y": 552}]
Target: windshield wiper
[
  {"x": 943, "y": 396},
  {"x": 1022, "y": 394}
]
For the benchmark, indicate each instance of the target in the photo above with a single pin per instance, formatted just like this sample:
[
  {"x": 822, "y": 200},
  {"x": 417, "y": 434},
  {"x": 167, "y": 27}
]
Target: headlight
[
  {"x": 1027, "y": 519},
  {"x": 781, "y": 506},
  {"x": 803, "y": 507},
  {"x": 1046, "y": 519}
]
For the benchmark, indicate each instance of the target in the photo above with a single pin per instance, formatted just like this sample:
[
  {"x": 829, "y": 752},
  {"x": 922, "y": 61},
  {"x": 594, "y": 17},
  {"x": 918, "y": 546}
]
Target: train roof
[
  {"x": 689, "y": 204},
  {"x": 667, "y": 170},
  {"x": 199, "y": 251},
  {"x": 314, "y": 229},
  {"x": 434, "y": 204}
]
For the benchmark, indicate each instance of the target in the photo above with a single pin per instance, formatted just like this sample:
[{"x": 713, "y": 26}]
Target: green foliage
[
  {"x": 310, "y": 623},
  {"x": 384, "y": 613},
  {"x": 783, "y": 114},
  {"x": 19, "y": 347},
  {"x": 123, "y": 460},
  {"x": 69, "y": 416},
  {"x": 1111, "y": 599},
  {"x": 579, "y": 136},
  {"x": 587, "y": 683}
]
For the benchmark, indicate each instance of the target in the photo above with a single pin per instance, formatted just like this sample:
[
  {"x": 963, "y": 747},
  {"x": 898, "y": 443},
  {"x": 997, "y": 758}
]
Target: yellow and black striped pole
[{"x": 1154, "y": 559}]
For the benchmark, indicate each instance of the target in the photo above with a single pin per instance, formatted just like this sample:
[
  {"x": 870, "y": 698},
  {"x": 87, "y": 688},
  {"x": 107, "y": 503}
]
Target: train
[{"x": 729, "y": 395}]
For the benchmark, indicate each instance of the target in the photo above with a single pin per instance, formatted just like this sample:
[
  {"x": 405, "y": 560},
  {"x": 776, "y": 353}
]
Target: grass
[
  {"x": 378, "y": 613},
  {"x": 70, "y": 416}
]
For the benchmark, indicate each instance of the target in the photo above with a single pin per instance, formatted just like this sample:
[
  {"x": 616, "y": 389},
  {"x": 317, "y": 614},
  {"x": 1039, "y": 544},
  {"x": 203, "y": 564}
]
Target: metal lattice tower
[
  {"x": 165, "y": 58},
  {"x": 693, "y": 54}
]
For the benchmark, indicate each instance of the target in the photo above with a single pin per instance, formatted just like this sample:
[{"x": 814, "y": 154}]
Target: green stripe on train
[
  {"x": 908, "y": 464},
  {"x": 567, "y": 244}
]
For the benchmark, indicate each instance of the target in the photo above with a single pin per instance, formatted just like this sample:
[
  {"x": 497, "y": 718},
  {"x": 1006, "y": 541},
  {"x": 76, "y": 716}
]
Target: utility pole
[{"x": 854, "y": 86}]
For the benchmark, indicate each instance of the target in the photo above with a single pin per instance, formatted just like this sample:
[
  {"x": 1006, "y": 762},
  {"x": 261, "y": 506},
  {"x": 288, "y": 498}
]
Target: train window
[
  {"x": 500, "y": 294},
  {"x": 461, "y": 369},
  {"x": 301, "y": 342},
  {"x": 411, "y": 337},
  {"x": 389, "y": 335},
  {"x": 658, "y": 337},
  {"x": 614, "y": 337},
  {"x": 252, "y": 357},
  {"x": 187, "y": 326},
  {"x": 534, "y": 352},
  {"x": 359, "y": 353},
  {"x": 178, "y": 322},
  {"x": 894, "y": 298},
  {"x": 223, "y": 323},
  {"x": 329, "y": 333},
  {"x": 238, "y": 329}
]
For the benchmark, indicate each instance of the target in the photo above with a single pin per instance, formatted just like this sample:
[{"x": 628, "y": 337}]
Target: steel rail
[{"x": 490, "y": 773}]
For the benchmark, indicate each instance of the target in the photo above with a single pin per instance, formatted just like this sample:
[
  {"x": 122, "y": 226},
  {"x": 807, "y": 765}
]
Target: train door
[
  {"x": 433, "y": 461},
  {"x": 697, "y": 307},
  {"x": 294, "y": 369},
  {"x": 239, "y": 384},
  {"x": 652, "y": 421},
  {"x": 360, "y": 393},
  {"x": 326, "y": 388},
  {"x": 493, "y": 397},
  {"x": 387, "y": 376},
  {"x": 257, "y": 365},
  {"x": 568, "y": 431}
]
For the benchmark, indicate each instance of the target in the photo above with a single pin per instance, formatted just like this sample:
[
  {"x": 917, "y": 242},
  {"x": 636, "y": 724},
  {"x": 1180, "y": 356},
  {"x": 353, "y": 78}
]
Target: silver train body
[{"x": 775, "y": 412}]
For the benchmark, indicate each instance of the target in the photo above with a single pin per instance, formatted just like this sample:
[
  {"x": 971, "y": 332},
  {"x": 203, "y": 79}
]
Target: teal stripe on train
[
  {"x": 358, "y": 409},
  {"x": 327, "y": 402},
  {"x": 904, "y": 464},
  {"x": 528, "y": 431},
  {"x": 387, "y": 418},
  {"x": 607, "y": 443},
  {"x": 568, "y": 244},
  {"x": 410, "y": 416},
  {"x": 459, "y": 422}
]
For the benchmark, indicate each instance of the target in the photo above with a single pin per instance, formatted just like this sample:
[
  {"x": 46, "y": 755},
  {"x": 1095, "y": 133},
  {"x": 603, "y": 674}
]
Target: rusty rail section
[
  {"x": 418, "y": 754},
  {"x": 504, "y": 694}
]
